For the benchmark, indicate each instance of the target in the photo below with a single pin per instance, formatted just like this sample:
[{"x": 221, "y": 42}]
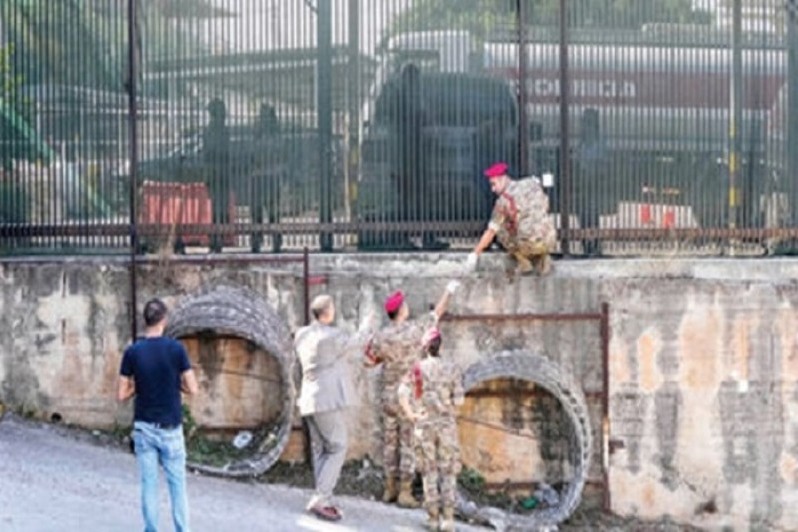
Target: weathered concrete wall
[
  {"x": 703, "y": 364},
  {"x": 703, "y": 397}
]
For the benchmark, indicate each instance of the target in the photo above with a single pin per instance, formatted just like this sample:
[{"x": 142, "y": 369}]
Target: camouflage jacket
[
  {"x": 522, "y": 213},
  {"x": 397, "y": 347},
  {"x": 435, "y": 388}
]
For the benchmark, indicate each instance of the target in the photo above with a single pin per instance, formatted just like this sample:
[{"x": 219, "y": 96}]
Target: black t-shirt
[{"x": 155, "y": 365}]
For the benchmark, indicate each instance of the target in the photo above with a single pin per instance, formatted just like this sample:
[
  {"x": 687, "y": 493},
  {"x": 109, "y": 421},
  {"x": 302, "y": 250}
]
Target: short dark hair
[
  {"x": 434, "y": 347},
  {"x": 392, "y": 314},
  {"x": 154, "y": 312}
]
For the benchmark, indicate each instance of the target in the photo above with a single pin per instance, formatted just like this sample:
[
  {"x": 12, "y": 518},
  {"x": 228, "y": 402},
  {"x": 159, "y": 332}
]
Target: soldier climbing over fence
[{"x": 520, "y": 221}]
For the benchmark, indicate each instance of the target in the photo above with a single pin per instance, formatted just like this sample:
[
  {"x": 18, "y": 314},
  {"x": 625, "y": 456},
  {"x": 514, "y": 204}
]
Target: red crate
[{"x": 168, "y": 203}]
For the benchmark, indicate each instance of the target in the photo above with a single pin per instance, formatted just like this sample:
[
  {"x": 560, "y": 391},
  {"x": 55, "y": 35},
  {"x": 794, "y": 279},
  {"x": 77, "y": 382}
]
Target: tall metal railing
[{"x": 270, "y": 125}]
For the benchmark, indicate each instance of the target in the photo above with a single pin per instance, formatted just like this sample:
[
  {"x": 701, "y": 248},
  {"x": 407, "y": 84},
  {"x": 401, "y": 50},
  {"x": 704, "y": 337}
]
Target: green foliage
[
  {"x": 477, "y": 16},
  {"x": 189, "y": 424},
  {"x": 9, "y": 81},
  {"x": 471, "y": 479},
  {"x": 475, "y": 488},
  {"x": 59, "y": 42},
  {"x": 13, "y": 202},
  {"x": 85, "y": 42},
  {"x": 203, "y": 450},
  {"x": 481, "y": 17}
]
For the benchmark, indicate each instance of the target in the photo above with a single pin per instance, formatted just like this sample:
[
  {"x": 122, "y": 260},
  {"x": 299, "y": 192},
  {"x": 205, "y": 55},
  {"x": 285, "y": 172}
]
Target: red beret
[
  {"x": 394, "y": 301},
  {"x": 496, "y": 170},
  {"x": 432, "y": 334}
]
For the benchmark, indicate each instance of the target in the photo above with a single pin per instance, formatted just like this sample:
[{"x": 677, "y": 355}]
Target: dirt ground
[{"x": 363, "y": 480}]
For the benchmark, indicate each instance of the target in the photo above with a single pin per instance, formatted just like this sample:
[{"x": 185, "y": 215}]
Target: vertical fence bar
[
  {"x": 523, "y": 95},
  {"x": 565, "y": 140},
  {"x": 324, "y": 115},
  {"x": 604, "y": 325},
  {"x": 735, "y": 113},
  {"x": 792, "y": 107},
  {"x": 353, "y": 154},
  {"x": 306, "y": 283},
  {"x": 132, "y": 55}
]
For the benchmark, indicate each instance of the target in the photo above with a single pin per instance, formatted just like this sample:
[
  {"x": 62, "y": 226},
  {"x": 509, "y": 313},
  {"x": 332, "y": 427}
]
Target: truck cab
[{"x": 432, "y": 126}]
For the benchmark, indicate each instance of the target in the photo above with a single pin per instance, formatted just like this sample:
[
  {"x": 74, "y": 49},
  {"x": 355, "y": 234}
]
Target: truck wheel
[
  {"x": 242, "y": 313},
  {"x": 520, "y": 364}
]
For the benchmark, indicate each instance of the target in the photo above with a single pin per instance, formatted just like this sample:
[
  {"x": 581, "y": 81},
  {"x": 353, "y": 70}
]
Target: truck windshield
[{"x": 457, "y": 100}]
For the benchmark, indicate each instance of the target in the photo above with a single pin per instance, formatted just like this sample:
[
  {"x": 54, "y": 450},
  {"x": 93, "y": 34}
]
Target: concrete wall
[{"x": 703, "y": 368}]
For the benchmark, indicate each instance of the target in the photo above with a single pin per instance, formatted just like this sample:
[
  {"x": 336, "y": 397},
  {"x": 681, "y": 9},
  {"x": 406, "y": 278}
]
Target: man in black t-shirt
[{"x": 155, "y": 369}]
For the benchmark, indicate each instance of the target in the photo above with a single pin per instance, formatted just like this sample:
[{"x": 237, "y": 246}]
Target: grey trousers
[{"x": 328, "y": 440}]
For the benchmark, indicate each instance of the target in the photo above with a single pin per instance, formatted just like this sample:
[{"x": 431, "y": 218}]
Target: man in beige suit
[{"x": 325, "y": 354}]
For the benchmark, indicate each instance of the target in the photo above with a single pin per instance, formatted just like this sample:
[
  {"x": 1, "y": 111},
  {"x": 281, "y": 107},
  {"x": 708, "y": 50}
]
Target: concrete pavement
[{"x": 51, "y": 479}]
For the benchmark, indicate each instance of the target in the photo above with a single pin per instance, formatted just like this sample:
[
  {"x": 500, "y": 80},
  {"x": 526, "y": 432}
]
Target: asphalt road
[{"x": 54, "y": 480}]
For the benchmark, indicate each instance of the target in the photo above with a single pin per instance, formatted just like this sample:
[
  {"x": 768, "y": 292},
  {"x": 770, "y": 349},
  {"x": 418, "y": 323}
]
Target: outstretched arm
[
  {"x": 443, "y": 302},
  {"x": 485, "y": 241}
]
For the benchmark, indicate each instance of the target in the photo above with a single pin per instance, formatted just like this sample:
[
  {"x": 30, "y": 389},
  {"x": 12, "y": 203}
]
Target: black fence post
[
  {"x": 792, "y": 107},
  {"x": 565, "y": 133},
  {"x": 324, "y": 110},
  {"x": 523, "y": 95},
  {"x": 133, "y": 36},
  {"x": 735, "y": 118}
]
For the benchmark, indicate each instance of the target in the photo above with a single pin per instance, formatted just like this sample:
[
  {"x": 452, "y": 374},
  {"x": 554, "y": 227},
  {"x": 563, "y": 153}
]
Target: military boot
[
  {"x": 524, "y": 265},
  {"x": 406, "y": 499},
  {"x": 542, "y": 264},
  {"x": 391, "y": 490},
  {"x": 433, "y": 518},
  {"x": 447, "y": 522}
]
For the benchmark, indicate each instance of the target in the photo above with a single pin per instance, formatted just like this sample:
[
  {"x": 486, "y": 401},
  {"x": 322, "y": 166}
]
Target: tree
[
  {"x": 483, "y": 16},
  {"x": 9, "y": 81}
]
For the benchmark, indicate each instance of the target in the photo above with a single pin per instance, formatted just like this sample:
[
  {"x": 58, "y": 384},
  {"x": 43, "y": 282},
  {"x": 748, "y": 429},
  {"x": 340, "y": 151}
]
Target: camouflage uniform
[
  {"x": 523, "y": 226},
  {"x": 398, "y": 347},
  {"x": 437, "y": 389}
]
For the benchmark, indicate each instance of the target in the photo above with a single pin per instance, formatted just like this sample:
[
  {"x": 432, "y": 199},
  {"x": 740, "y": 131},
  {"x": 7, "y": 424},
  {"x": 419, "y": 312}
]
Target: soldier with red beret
[
  {"x": 520, "y": 221},
  {"x": 429, "y": 395},
  {"x": 397, "y": 347}
]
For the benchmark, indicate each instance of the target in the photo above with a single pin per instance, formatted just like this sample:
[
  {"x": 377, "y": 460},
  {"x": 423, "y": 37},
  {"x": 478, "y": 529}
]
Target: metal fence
[{"x": 267, "y": 125}]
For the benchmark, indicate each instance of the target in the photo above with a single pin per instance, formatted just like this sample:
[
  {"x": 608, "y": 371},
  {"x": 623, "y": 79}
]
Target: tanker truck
[{"x": 649, "y": 123}]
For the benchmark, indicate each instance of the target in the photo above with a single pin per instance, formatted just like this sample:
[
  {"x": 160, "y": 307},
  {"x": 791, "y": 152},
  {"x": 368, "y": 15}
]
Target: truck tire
[
  {"x": 242, "y": 313},
  {"x": 520, "y": 364}
]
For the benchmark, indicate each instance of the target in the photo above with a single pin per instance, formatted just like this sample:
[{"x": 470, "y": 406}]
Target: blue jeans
[{"x": 166, "y": 447}]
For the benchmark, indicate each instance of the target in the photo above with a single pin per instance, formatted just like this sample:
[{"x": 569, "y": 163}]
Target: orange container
[{"x": 167, "y": 204}]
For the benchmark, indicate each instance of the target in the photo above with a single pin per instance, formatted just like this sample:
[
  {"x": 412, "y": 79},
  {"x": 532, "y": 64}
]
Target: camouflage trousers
[
  {"x": 398, "y": 458},
  {"x": 438, "y": 453},
  {"x": 530, "y": 255}
]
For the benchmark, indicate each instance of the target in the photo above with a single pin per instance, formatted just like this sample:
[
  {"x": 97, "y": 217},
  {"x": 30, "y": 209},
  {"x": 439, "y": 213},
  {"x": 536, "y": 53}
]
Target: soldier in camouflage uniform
[
  {"x": 429, "y": 394},
  {"x": 520, "y": 221},
  {"x": 397, "y": 347}
]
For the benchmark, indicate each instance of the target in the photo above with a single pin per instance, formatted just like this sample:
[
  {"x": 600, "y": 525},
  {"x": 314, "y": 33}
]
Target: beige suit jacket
[{"x": 326, "y": 354}]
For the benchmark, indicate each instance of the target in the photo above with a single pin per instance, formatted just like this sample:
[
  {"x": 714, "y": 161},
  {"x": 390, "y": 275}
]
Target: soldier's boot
[
  {"x": 525, "y": 266},
  {"x": 433, "y": 518},
  {"x": 447, "y": 522},
  {"x": 391, "y": 490},
  {"x": 542, "y": 264},
  {"x": 405, "y": 498}
]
